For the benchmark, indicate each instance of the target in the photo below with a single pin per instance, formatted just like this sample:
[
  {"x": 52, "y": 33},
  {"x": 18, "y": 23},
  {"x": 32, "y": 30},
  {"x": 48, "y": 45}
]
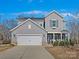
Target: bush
[
  {"x": 72, "y": 42},
  {"x": 61, "y": 43},
  {"x": 52, "y": 42},
  {"x": 66, "y": 42},
  {"x": 55, "y": 43}
]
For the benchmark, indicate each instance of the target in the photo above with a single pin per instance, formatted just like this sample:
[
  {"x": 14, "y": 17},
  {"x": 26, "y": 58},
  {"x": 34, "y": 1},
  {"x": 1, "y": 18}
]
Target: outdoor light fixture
[{"x": 29, "y": 26}]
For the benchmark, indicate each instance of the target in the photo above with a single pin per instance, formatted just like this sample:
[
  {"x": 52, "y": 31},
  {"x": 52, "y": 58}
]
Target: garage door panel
[{"x": 29, "y": 40}]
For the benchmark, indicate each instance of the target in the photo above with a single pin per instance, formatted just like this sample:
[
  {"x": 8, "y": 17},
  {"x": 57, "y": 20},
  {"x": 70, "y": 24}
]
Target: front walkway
[{"x": 26, "y": 52}]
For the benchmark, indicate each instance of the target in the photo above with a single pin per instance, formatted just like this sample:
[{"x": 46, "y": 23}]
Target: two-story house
[{"x": 39, "y": 31}]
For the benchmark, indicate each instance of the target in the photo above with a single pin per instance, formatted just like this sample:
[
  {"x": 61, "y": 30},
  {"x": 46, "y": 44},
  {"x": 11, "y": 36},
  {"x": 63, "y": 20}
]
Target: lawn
[
  {"x": 5, "y": 47},
  {"x": 60, "y": 52}
]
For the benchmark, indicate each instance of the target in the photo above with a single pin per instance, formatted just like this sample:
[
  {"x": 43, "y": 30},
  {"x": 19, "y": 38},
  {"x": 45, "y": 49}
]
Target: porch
[{"x": 57, "y": 36}]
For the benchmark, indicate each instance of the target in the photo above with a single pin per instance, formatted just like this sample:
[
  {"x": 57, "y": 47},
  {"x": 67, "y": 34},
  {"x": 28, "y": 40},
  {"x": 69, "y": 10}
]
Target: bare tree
[
  {"x": 10, "y": 23},
  {"x": 73, "y": 26}
]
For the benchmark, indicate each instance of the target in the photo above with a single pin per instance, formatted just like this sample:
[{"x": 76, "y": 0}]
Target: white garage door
[{"x": 29, "y": 39}]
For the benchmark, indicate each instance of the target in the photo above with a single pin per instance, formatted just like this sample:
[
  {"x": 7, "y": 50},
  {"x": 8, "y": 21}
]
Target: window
[
  {"x": 40, "y": 24},
  {"x": 50, "y": 36},
  {"x": 54, "y": 23},
  {"x": 57, "y": 36},
  {"x": 14, "y": 35}
]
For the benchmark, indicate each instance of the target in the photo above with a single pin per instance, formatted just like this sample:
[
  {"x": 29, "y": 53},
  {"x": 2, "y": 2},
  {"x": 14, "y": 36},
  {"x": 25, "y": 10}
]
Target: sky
[{"x": 12, "y": 8}]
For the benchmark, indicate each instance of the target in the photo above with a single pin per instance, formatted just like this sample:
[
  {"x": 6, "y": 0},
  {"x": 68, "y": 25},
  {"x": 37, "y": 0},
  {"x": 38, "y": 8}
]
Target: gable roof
[
  {"x": 64, "y": 30},
  {"x": 40, "y": 18},
  {"x": 55, "y": 13},
  {"x": 33, "y": 18},
  {"x": 25, "y": 22}
]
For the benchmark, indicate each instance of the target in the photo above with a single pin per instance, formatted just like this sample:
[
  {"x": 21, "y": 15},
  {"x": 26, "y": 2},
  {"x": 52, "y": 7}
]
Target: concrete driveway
[{"x": 26, "y": 52}]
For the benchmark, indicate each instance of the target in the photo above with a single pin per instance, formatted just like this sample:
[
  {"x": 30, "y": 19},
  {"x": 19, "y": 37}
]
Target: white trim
[
  {"x": 54, "y": 32},
  {"x": 52, "y": 24},
  {"x": 61, "y": 36},
  {"x": 25, "y": 22},
  {"x": 28, "y": 34},
  {"x": 57, "y": 32},
  {"x": 53, "y": 19},
  {"x": 55, "y": 12},
  {"x": 54, "y": 27}
]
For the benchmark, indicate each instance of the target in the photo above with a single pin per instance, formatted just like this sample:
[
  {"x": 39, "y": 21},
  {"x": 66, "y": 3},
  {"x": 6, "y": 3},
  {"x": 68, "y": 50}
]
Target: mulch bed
[
  {"x": 5, "y": 47},
  {"x": 60, "y": 52}
]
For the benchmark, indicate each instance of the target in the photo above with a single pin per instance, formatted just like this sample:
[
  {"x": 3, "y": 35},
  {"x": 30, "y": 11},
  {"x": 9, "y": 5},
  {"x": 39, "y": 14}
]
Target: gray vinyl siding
[
  {"x": 59, "y": 20},
  {"x": 24, "y": 30}
]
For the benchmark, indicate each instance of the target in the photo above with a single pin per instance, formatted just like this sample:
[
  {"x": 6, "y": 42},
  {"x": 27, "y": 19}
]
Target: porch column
[
  {"x": 61, "y": 36},
  {"x": 53, "y": 36},
  {"x": 68, "y": 36}
]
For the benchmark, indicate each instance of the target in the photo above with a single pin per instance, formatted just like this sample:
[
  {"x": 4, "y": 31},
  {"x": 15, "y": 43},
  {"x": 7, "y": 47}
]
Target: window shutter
[
  {"x": 57, "y": 23},
  {"x": 50, "y": 23}
]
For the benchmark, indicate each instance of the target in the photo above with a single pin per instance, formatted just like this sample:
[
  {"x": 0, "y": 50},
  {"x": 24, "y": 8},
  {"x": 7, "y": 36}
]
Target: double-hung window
[{"x": 54, "y": 23}]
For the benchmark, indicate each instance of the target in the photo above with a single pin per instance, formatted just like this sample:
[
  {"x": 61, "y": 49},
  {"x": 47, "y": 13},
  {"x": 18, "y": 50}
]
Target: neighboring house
[{"x": 39, "y": 31}]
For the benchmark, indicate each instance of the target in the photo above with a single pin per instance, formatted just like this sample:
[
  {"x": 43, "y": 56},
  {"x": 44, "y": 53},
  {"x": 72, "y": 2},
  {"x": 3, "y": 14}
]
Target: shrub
[
  {"x": 72, "y": 42},
  {"x": 66, "y": 42},
  {"x": 52, "y": 42},
  {"x": 61, "y": 43},
  {"x": 55, "y": 43}
]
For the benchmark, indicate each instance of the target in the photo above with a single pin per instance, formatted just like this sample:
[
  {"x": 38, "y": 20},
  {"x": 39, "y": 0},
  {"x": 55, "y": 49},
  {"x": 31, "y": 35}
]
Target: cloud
[
  {"x": 34, "y": 12},
  {"x": 78, "y": 15},
  {"x": 26, "y": 1},
  {"x": 69, "y": 14},
  {"x": 37, "y": 12},
  {"x": 30, "y": 1}
]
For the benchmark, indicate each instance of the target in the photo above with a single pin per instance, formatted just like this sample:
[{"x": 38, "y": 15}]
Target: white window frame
[{"x": 56, "y": 24}]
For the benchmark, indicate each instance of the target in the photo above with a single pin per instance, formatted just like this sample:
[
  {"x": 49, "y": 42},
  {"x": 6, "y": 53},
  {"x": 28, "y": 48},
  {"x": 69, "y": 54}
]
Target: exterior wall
[
  {"x": 25, "y": 30},
  {"x": 58, "y": 18}
]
